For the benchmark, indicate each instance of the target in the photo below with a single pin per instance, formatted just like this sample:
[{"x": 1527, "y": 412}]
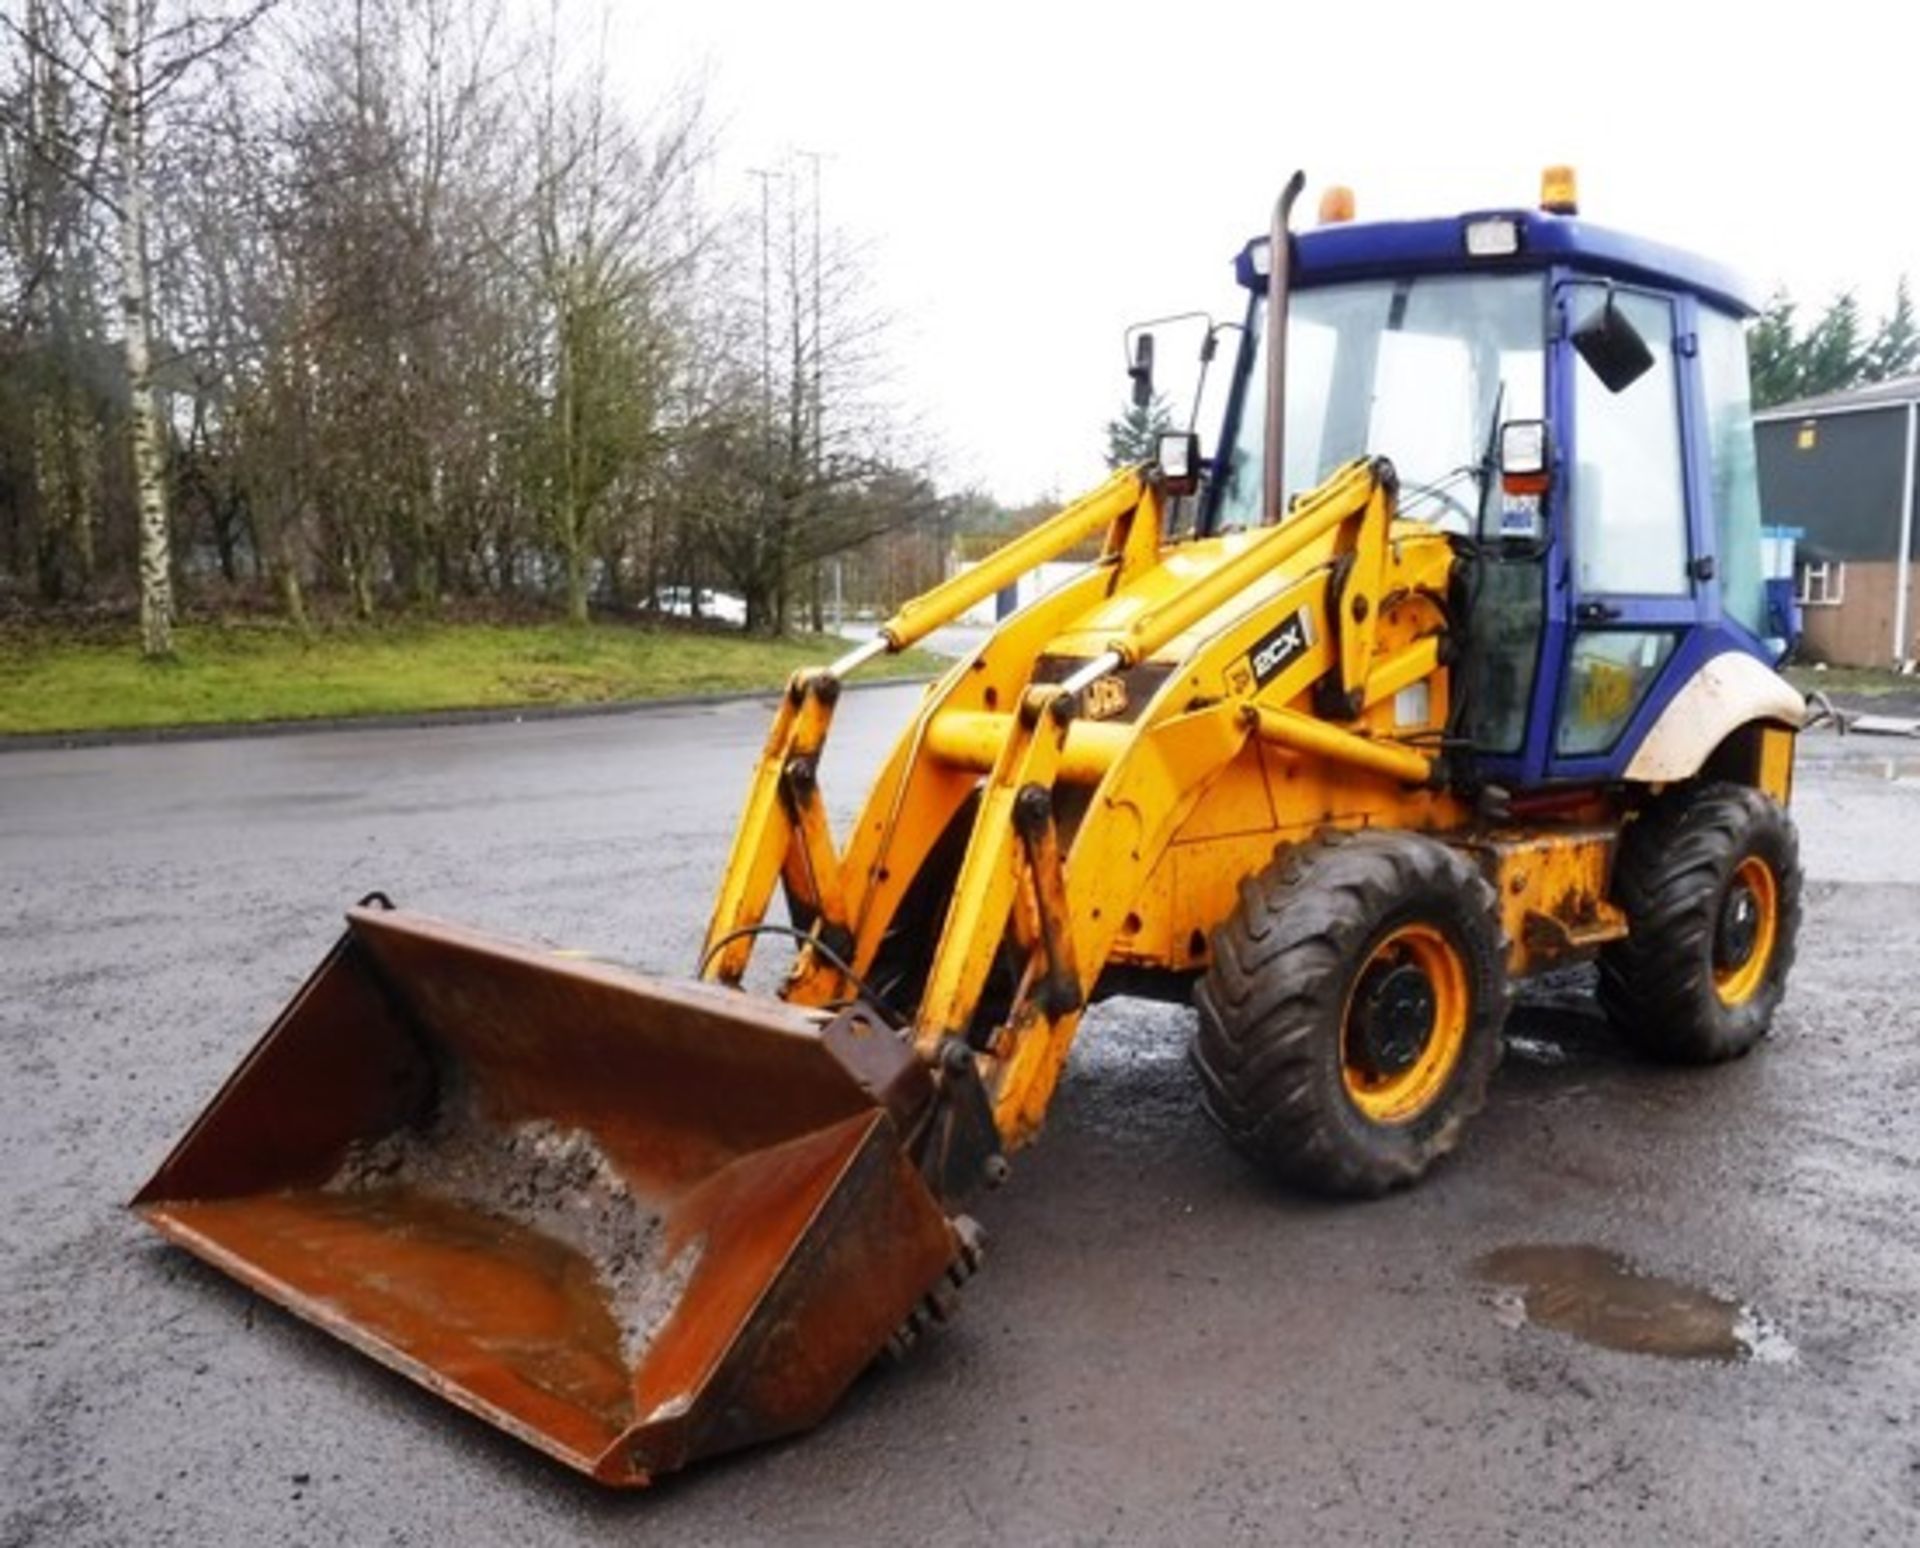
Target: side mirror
[
  {"x": 1178, "y": 455},
  {"x": 1612, "y": 347},
  {"x": 1141, "y": 371}
]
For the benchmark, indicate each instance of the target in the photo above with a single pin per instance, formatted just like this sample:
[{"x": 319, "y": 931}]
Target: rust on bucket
[{"x": 631, "y": 1222}]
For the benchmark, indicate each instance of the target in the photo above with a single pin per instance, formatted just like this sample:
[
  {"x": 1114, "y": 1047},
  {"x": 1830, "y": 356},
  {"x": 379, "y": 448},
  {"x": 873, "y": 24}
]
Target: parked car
[{"x": 720, "y": 606}]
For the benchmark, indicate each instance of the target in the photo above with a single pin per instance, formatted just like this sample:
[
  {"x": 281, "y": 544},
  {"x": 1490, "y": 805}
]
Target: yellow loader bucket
[{"x": 633, "y": 1223}]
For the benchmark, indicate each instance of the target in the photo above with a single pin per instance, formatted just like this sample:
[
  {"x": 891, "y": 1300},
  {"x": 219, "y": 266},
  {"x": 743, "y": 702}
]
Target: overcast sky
[{"x": 1028, "y": 178}]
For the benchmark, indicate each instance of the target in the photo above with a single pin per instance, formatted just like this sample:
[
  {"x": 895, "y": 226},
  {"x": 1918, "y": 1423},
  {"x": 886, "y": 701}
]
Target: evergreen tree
[
  {"x": 1135, "y": 435},
  {"x": 1832, "y": 356},
  {"x": 1773, "y": 354},
  {"x": 1895, "y": 350}
]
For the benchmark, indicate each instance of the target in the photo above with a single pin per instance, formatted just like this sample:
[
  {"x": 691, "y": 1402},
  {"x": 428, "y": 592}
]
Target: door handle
[{"x": 1596, "y": 612}]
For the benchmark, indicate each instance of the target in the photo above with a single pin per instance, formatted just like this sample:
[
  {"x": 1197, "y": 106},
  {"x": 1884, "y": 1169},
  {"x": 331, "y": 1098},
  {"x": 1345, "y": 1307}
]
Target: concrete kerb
[{"x": 29, "y": 741}]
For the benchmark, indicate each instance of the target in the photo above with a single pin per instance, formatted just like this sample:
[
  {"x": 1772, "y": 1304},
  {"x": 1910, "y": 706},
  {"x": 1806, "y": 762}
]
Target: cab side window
[
  {"x": 1629, "y": 498},
  {"x": 1736, "y": 469}
]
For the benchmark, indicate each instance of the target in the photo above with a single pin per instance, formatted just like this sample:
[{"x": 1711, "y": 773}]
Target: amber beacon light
[
  {"x": 1559, "y": 192},
  {"x": 1336, "y": 206}
]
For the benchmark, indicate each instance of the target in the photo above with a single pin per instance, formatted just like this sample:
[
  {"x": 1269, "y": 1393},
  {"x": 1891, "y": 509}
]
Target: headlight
[
  {"x": 1178, "y": 455},
  {"x": 1498, "y": 236},
  {"x": 1523, "y": 447}
]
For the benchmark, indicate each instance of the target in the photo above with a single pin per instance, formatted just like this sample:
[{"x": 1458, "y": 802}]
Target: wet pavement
[{"x": 1161, "y": 1347}]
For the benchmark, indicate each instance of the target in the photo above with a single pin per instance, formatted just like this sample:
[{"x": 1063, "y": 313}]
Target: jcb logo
[
  {"x": 1105, "y": 698},
  {"x": 1276, "y": 651}
]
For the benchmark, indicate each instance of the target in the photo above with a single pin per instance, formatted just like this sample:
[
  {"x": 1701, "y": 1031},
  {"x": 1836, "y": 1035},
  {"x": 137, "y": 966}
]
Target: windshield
[{"x": 1419, "y": 369}]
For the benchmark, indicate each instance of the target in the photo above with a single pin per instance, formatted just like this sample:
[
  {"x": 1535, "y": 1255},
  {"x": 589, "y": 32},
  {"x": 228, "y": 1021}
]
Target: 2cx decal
[{"x": 1280, "y": 647}]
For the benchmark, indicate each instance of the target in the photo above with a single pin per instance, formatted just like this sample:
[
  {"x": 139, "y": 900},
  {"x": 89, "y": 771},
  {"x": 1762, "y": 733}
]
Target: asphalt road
[{"x": 1161, "y": 1348}]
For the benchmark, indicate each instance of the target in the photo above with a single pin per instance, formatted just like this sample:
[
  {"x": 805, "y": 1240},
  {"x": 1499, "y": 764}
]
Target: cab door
[{"x": 1630, "y": 569}]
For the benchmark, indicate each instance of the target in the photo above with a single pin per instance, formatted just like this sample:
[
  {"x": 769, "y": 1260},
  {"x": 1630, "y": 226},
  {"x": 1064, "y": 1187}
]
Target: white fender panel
[{"x": 1730, "y": 691}]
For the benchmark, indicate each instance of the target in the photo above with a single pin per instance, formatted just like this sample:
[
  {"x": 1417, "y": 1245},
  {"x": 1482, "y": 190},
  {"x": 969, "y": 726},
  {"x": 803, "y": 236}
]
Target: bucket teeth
[{"x": 937, "y": 1307}]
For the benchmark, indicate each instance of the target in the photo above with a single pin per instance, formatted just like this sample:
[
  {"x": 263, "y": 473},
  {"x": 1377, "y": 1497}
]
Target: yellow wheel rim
[
  {"x": 1748, "y": 926},
  {"x": 1415, "y": 981}
]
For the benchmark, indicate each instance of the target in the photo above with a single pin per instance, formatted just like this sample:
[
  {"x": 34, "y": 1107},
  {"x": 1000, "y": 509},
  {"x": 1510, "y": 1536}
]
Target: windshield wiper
[
  {"x": 1488, "y": 455},
  {"x": 1480, "y": 472}
]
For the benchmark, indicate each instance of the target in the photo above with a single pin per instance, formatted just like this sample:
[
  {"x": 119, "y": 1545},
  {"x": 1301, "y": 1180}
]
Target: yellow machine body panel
[{"x": 1121, "y": 754}]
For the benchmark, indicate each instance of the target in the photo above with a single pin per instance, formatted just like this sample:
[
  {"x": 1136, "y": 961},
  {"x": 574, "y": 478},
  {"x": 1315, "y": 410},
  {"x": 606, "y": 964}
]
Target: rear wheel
[
  {"x": 1709, "y": 877},
  {"x": 1351, "y": 1014}
]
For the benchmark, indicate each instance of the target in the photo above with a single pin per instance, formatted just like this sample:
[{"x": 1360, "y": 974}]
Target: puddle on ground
[{"x": 1599, "y": 1297}]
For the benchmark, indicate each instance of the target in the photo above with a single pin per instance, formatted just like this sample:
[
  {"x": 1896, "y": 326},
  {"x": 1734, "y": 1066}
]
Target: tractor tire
[
  {"x": 1350, "y": 1017},
  {"x": 1709, "y": 878}
]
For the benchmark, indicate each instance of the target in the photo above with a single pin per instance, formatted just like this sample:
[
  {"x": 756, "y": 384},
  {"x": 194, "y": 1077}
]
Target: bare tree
[
  {"x": 128, "y": 56},
  {"x": 127, "y": 110},
  {"x": 401, "y": 302},
  {"x": 826, "y": 474},
  {"x": 49, "y": 156},
  {"x": 614, "y": 236}
]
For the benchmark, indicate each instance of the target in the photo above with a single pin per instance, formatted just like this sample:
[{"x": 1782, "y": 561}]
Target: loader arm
[
  {"x": 1070, "y": 808},
  {"x": 783, "y": 830}
]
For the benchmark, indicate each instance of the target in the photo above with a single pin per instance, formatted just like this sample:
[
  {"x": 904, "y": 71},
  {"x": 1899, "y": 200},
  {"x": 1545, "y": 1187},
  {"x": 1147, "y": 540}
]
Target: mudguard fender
[{"x": 1732, "y": 690}]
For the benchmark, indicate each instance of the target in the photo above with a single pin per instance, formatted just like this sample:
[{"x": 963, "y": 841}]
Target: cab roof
[{"x": 1369, "y": 250}]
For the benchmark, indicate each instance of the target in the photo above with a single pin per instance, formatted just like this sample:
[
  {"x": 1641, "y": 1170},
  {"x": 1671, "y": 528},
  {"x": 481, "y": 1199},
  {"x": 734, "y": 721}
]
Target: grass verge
[
  {"x": 240, "y": 673},
  {"x": 1865, "y": 682}
]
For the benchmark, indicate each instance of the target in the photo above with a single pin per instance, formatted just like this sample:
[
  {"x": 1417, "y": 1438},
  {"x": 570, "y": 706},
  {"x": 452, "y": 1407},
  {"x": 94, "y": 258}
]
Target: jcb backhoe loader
[{"x": 1341, "y": 753}]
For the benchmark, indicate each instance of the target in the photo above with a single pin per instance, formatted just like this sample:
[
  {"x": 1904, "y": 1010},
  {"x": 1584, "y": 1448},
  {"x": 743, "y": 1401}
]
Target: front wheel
[
  {"x": 1709, "y": 877},
  {"x": 1350, "y": 1017}
]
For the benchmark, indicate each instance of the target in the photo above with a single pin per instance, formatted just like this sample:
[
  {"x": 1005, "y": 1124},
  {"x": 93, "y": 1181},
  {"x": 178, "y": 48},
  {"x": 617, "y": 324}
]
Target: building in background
[{"x": 1840, "y": 469}]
